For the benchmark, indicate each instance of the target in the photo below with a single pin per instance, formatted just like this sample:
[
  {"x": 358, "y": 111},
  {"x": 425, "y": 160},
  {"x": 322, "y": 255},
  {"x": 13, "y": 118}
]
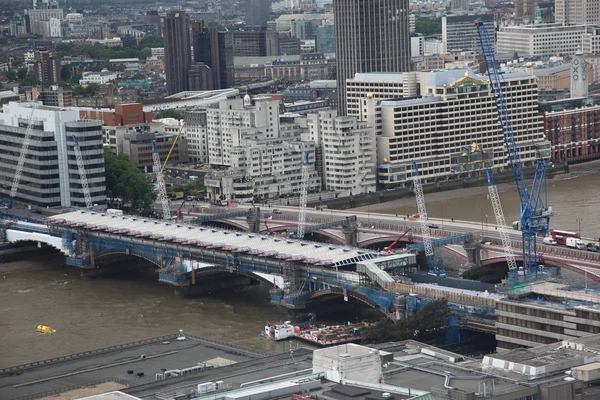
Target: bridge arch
[
  {"x": 377, "y": 240},
  {"x": 232, "y": 223},
  {"x": 338, "y": 291},
  {"x": 294, "y": 227},
  {"x": 14, "y": 236}
]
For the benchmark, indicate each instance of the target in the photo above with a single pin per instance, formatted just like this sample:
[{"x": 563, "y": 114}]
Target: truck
[
  {"x": 114, "y": 211},
  {"x": 575, "y": 243}
]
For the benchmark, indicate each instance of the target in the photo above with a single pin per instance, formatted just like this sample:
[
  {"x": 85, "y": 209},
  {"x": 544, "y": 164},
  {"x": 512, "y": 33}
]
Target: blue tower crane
[{"x": 535, "y": 216}]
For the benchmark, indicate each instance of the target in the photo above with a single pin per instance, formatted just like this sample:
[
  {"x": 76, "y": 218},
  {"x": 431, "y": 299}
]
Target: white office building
[
  {"x": 346, "y": 149},
  {"x": 542, "y": 40},
  {"x": 438, "y": 129},
  {"x": 379, "y": 85},
  {"x": 50, "y": 176}
]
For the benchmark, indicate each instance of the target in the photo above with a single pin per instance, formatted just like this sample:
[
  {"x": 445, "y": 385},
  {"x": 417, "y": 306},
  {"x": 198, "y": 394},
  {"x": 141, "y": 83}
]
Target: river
[
  {"x": 90, "y": 314},
  {"x": 574, "y": 198}
]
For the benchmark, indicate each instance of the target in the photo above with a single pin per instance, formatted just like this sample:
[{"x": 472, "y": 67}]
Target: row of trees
[
  {"x": 99, "y": 52},
  {"x": 428, "y": 325}
]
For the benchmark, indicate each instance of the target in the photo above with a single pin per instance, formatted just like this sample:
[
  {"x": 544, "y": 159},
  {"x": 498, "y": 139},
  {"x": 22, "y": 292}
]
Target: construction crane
[
  {"x": 82, "y": 175},
  {"x": 535, "y": 216},
  {"x": 303, "y": 197},
  {"x": 435, "y": 266},
  {"x": 160, "y": 181},
  {"x": 388, "y": 250},
  {"x": 497, "y": 206},
  {"x": 7, "y": 203}
]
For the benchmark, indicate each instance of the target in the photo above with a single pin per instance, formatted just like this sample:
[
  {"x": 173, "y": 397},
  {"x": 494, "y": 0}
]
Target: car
[
  {"x": 277, "y": 211},
  {"x": 592, "y": 247},
  {"x": 433, "y": 226}
]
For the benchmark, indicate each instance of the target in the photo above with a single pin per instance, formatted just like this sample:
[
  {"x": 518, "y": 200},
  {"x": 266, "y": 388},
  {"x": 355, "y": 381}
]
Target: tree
[
  {"x": 429, "y": 324},
  {"x": 151, "y": 41},
  {"x": 125, "y": 181},
  {"x": 168, "y": 114},
  {"x": 428, "y": 26}
]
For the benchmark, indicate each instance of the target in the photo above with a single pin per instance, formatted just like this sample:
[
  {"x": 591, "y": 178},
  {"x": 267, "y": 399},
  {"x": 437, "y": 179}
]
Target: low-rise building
[
  {"x": 138, "y": 146},
  {"x": 99, "y": 78},
  {"x": 545, "y": 40}
]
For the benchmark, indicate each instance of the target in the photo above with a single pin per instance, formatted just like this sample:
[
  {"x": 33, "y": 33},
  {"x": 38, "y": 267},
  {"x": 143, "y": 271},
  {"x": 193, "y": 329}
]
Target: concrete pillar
[
  {"x": 473, "y": 249},
  {"x": 3, "y": 228},
  {"x": 253, "y": 220},
  {"x": 350, "y": 231},
  {"x": 400, "y": 306}
]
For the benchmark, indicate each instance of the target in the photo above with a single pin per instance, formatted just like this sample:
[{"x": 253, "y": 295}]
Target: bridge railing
[{"x": 549, "y": 250}]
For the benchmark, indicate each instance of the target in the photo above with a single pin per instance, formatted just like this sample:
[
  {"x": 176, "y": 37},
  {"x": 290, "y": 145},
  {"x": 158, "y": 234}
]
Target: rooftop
[
  {"x": 377, "y": 77},
  {"x": 192, "y": 235}
]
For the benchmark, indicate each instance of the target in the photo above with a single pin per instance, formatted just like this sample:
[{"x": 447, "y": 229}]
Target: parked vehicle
[
  {"x": 550, "y": 241},
  {"x": 277, "y": 211},
  {"x": 575, "y": 243}
]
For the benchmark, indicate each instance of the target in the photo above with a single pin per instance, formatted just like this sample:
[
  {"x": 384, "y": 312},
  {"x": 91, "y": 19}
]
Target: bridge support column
[
  {"x": 350, "y": 231},
  {"x": 253, "y": 220},
  {"x": 400, "y": 306},
  {"x": 3, "y": 228},
  {"x": 473, "y": 249}
]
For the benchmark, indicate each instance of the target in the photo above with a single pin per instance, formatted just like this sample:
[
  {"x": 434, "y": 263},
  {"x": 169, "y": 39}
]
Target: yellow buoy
[{"x": 44, "y": 329}]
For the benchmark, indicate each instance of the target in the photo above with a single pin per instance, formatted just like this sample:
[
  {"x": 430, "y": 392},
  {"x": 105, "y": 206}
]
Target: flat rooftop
[
  {"x": 204, "y": 237},
  {"x": 149, "y": 357}
]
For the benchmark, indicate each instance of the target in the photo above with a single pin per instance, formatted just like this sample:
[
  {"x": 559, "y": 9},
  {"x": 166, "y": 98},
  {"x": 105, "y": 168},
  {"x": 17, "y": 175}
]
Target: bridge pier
[
  {"x": 473, "y": 249},
  {"x": 3, "y": 228},
  {"x": 253, "y": 220},
  {"x": 350, "y": 231}
]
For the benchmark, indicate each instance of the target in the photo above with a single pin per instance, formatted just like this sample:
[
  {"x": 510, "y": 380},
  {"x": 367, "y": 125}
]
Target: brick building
[{"x": 574, "y": 133}]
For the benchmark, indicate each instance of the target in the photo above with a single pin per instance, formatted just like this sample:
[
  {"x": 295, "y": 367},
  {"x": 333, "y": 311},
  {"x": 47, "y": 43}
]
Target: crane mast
[
  {"x": 535, "y": 216},
  {"x": 434, "y": 267},
  {"x": 162, "y": 191},
  {"x": 303, "y": 197},
  {"x": 499, "y": 214},
  {"x": 82, "y": 175},
  {"x": 23, "y": 153}
]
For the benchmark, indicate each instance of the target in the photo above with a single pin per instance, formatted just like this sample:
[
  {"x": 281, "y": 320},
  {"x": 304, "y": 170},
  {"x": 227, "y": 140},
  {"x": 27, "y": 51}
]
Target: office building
[
  {"x": 257, "y": 12},
  {"x": 325, "y": 39},
  {"x": 138, "y": 146},
  {"x": 382, "y": 85},
  {"x": 542, "y": 40},
  {"x": 289, "y": 45},
  {"x": 371, "y": 36},
  {"x": 577, "y": 12},
  {"x": 54, "y": 96},
  {"x": 255, "y": 41},
  {"x": 345, "y": 152},
  {"x": 215, "y": 50},
  {"x": 525, "y": 9},
  {"x": 177, "y": 51},
  {"x": 46, "y": 68},
  {"x": 459, "y": 32},
  {"x": 39, "y": 21},
  {"x": 51, "y": 176},
  {"x": 434, "y": 128},
  {"x": 310, "y": 67}
]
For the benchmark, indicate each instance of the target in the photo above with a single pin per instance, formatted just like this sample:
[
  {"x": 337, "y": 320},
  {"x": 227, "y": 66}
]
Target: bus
[{"x": 561, "y": 236}]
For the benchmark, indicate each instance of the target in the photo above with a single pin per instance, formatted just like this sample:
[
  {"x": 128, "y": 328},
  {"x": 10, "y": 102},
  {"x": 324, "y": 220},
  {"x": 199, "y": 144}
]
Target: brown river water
[{"x": 90, "y": 314}]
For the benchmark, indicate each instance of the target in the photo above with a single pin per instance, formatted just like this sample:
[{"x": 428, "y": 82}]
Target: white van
[{"x": 550, "y": 241}]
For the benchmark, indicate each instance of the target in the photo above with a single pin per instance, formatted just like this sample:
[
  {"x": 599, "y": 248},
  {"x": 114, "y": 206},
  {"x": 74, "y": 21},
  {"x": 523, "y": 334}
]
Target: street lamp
[
  {"x": 481, "y": 208},
  {"x": 579, "y": 225},
  {"x": 442, "y": 205}
]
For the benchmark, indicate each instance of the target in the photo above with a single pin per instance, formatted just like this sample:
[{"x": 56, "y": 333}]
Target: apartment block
[
  {"x": 46, "y": 68},
  {"x": 196, "y": 134},
  {"x": 574, "y": 132},
  {"x": 50, "y": 176},
  {"x": 138, "y": 146},
  {"x": 577, "y": 12},
  {"x": 455, "y": 109},
  {"x": 346, "y": 148},
  {"x": 236, "y": 120}
]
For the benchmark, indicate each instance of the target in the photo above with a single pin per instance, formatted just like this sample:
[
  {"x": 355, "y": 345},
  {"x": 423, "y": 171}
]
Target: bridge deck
[{"x": 160, "y": 230}]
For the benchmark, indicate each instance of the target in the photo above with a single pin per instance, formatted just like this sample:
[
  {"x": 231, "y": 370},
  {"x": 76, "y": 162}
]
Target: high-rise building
[
  {"x": 257, "y": 12},
  {"x": 215, "y": 50},
  {"x": 46, "y": 69},
  {"x": 577, "y": 12},
  {"x": 176, "y": 35},
  {"x": 371, "y": 36},
  {"x": 54, "y": 96},
  {"x": 51, "y": 177},
  {"x": 325, "y": 39},
  {"x": 256, "y": 41},
  {"x": 459, "y": 32},
  {"x": 525, "y": 8}
]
